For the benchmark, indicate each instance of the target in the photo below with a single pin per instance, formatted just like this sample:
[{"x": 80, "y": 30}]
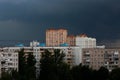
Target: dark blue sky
[{"x": 28, "y": 19}]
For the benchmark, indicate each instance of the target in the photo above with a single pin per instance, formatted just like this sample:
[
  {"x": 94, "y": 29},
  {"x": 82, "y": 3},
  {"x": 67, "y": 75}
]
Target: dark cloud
[{"x": 28, "y": 19}]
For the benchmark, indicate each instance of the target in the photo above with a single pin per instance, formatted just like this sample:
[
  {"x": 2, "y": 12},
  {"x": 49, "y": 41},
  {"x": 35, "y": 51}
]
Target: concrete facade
[
  {"x": 9, "y": 55},
  {"x": 97, "y": 57},
  {"x": 9, "y": 59}
]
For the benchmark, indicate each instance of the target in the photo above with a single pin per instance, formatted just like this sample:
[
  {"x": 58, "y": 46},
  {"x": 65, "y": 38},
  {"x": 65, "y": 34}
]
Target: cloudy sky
[{"x": 28, "y": 19}]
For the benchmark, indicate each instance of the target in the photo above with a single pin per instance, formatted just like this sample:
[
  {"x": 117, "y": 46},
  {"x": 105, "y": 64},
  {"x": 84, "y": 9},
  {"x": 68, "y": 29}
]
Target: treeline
[{"x": 53, "y": 67}]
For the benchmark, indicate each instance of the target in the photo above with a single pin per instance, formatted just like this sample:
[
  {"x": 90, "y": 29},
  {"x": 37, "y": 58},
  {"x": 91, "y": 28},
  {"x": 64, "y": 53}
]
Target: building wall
[
  {"x": 9, "y": 59},
  {"x": 55, "y": 37},
  {"x": 72, "y": 57},
  {"x": 72, "y": 54},
  {"x": 82, "y": 41},
  {"x": 97, "y": 57},
  {"x": 85, "y": 42},
  {"x": 71, "y": 40}
]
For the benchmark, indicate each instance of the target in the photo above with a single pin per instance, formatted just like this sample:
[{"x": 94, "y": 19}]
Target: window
[
  {"x": 9, "y": 63},
  {"x": 101, "y": 51},
  {"x": 10, "y": 59},
  {"x": 69, "y": 59},
  {"x": 9, "y": 54}
]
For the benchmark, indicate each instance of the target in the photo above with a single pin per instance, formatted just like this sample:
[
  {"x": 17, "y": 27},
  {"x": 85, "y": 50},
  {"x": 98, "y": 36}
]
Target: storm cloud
[{"x": 28, "y": 19}]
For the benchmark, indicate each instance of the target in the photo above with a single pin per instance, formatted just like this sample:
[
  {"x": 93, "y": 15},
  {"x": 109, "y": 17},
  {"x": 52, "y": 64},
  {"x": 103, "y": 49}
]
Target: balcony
[
  {"x": 87, "y": 53},
  {"x": 87, "y": 60}
]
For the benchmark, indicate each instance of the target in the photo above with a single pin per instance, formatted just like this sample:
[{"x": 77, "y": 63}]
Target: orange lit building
[
  {"x": 55, "y": 37},
  {"x": 71, "y": 40}
]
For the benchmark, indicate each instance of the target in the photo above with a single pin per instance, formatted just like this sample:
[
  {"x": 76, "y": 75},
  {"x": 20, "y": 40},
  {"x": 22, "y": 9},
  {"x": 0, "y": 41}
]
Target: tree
[
  {"x": 22, "y": 65},
  {"x": 115, "y": 74},
  {"x": 15, "y": 75},
  {"x": 102, "y": 73},
  {"x": 31, "y": 70},
  {"x": 53, "y": 67},
  {"x": 81, "y": 73},
  {"x": 6, "y": 76},
  {"x": 58, "y": 57},
  {"x": 27, "y": 69},
  {"x": 10, "y": 75},
  {"x": 63, "y": 71},
  {"x": 45, "y": 65}
]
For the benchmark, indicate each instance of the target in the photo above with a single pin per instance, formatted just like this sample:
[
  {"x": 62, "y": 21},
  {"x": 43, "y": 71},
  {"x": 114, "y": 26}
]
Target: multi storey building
[
  {"x": 8, "y": 59},
  {"x": 9, "y": 56},
  {"x": 71, "y": 40},
  {"x": 97, "y": 57},
  {"x": 55, "y": 37},
  {"x": 71, "y": 53},
  {"x": 82, "y": 41},
  {"x": 85, "y": 42}
]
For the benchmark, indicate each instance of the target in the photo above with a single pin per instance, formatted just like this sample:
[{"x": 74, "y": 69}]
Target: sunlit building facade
[
  {"x": 71, "y": 40},
  {"x": 55, "y": 37}
]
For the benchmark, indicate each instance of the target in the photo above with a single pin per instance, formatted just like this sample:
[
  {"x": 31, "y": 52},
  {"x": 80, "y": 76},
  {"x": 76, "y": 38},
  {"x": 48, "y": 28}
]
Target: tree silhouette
[
  {"x": 115, "y": 74},
  {"x": 53, "y": 66},
  {"x": 31, "y": 70},
  {"x": 81, "y": 72},
  {"x": 26, "y": 66},
  {"x": 22, "y": 65},
  {"x": 102, "y": 73}
]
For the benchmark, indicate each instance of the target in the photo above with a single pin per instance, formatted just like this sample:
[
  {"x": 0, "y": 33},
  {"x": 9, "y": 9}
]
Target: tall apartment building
[
  {"x": 71, "y": 40},
  {"x": 55, "y": 37},
  {"x": 97, "y": 57}
]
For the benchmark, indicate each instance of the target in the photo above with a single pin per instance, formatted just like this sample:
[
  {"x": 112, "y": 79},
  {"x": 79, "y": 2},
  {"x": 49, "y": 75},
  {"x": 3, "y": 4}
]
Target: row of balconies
[{"x": 111, "y": 63}]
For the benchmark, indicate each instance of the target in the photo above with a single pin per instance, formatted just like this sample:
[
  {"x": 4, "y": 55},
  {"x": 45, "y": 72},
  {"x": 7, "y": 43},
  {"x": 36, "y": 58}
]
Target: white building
[
  {"x": 9, "y": 58},
  {"x": 82, "y": 41},
  {"x": 85, "y": 42},
  {"x": 34, "y": 44}
]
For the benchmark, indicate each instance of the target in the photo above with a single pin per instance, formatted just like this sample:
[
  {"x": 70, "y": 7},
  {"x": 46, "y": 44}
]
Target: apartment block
[
  {"x": 72, "y": 55},
  {"x": 71, "y": 40},
  {"x": 55, "y": 37},
  {"x": 85, "y": 42},
  {"x": 97, "y": 57},
  {"x": 8, "y": 59}
]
